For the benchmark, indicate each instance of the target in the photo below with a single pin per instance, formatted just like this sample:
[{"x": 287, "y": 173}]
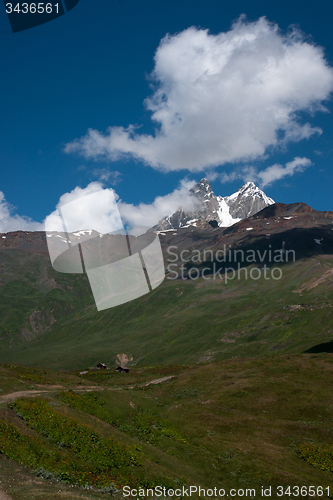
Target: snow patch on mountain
[{"x": 223, "y": 213}]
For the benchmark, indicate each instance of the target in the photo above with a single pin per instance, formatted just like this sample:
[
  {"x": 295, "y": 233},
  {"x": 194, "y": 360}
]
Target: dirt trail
[
  {"x": 11, "y": 397},
  {"x": 6, "y": 398},
  {"x": 158, "y": 380},
  {"x": 26, "y": 394},
  {"x": 4, "y": 496}
]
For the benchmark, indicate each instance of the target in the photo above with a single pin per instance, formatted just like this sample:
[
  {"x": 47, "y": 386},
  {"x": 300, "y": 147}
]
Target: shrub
[{"x": 322, "y": 458}]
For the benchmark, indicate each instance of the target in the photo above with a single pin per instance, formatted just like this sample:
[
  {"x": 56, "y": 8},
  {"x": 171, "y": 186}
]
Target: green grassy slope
[
  {"x": 33, "y": 296},
  {"x": 237, "y": 423},
  {"x": 183, "y": 321}
]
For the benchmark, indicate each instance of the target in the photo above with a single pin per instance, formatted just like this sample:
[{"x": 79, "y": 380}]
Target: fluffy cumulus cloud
[
  {"x": 86, "y": 208},
  {"x": 222, "y": 98},
  {"x": 9, "y": 221},
  {"x": 263, "y": 177}
]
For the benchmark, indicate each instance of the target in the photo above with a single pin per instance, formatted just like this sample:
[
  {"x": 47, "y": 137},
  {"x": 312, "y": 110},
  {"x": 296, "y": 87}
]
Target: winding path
[{"x": 7, "y": 398}]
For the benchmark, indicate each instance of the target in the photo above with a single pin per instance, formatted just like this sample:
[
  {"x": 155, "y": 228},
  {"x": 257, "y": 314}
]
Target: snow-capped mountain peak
[
  {"x": 247, "y": 201},
  {"x": 226, "y": 211},
  {"x": 250, "y": 189}
]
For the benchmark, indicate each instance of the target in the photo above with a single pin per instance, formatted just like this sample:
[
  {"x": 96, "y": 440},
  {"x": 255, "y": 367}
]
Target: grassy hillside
[
  {"x": 182, "y": 321},
  {"x": 33, "y": 296},
  {"x": 238, "y": 423}
]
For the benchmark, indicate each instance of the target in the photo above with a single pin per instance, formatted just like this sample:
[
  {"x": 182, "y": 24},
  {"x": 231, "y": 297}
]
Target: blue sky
[{"x": 92, "y": 69}]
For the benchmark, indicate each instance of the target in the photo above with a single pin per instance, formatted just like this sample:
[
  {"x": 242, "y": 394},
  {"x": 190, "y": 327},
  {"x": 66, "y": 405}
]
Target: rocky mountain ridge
[{"x": 219, "y": 211}]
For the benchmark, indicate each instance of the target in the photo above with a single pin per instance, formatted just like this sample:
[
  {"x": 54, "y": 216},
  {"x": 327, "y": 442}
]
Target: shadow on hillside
[
  {"x": 304, "y": 241},
  {"x": 239, "y": 252},
  {"x": 324, "y": 347}
]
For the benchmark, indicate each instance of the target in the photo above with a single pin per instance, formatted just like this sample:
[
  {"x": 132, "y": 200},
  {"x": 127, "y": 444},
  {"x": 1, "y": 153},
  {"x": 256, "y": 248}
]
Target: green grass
[
  {"x": 88, "y": 402},
  {"x": 63, "y": 448},
  {"x": 88, "y": 458},
  {"x": 144, "y": 424},
  {"x": 189, "y": 321},
  {"x": 238, "y": 423}
]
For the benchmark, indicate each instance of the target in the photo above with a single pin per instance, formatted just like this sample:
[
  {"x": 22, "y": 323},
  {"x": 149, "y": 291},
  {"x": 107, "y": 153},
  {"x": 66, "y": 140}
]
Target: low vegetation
[
  {"x": 319, "y": 457},
  {"x": 89, "y": 458},
  {"x": 232, "y": 424}
]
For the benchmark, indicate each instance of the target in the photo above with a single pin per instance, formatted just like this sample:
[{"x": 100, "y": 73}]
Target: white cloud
[
  {"x": 95, "y": 207},
  {"x": 9, "y": 221},
  {"x": 268, "y": 175},
  {"x": 79, "y": 192},
  {"x": 86, "y": 208},
  {"x": 222, "y": 98},
  {"x": 276, "y": 172},
  {"x": 147, "y": 215}
]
